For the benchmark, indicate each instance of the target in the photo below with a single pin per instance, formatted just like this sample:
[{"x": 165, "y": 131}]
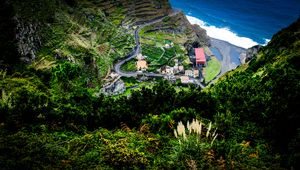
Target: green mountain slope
[{"x": 267, "y": 91}]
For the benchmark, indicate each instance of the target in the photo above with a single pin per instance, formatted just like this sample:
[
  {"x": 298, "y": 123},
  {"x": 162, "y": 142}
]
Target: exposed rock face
[
  {"x": 115, "y": 88},
  {"x": 249, "y": 54},
  {"x": 28, "y": 40}
]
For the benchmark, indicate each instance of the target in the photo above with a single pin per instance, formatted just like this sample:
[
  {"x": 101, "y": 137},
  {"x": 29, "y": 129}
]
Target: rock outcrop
[
  {"x": 249, "y": 54},
  {"x": 28, "y": 40}
]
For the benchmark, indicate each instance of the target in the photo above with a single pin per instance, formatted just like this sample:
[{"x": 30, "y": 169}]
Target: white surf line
[{"x": 224, "y": 34}]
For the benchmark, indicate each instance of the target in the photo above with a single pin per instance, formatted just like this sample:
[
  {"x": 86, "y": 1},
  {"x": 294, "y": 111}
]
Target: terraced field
[{"x": 136, "y": 11}]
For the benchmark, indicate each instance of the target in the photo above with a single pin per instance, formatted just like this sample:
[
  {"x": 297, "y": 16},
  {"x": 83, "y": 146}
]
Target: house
[
  {"x": 141, "y": 65},
  {"x": 176, "y": 69},
  {"x": 189, "y": 73},
  {"x": 200, "y": 56},
  {"x": 140, "y": 57},
  {"x": 170, "y": 78},
  {"x": 196, "y": 73},
  {"x": 185, "y": 79},
  {"x": 176, "y": 62},
  {"x": 167, "y": 46},
  {"x": 181, "y": 69},
  {"x": 169, "y": 70},
  {"x": 162, "y": 70}
]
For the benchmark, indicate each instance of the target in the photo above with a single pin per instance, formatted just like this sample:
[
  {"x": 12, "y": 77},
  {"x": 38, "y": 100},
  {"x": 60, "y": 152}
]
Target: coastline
[
  {"x": 230, "y": 54},
  {"x": 227, "y": 52},
  {"x": 223, "y": 33}
]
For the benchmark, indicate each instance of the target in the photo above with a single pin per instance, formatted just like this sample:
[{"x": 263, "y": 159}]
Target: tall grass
[{"x": 196, "y": 128}]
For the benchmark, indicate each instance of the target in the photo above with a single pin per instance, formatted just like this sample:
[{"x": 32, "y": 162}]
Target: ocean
[{"x": 241, "y": 22}]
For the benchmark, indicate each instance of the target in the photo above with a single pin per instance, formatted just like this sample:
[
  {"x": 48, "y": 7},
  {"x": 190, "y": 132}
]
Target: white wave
[
  {"x": 223, "y": 34},
  {"x": 266, "y": 42}
]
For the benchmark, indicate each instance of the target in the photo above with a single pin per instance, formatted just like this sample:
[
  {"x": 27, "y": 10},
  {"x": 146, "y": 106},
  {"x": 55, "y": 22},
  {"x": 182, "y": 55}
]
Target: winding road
[{"x": 137, "y": 49}]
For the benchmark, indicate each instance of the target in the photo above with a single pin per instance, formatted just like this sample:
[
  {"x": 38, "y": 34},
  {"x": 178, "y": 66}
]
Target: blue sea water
[{"x": 248, "y": 21}]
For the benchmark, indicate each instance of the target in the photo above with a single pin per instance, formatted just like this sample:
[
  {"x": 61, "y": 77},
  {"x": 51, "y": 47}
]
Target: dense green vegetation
[
  {"x": 51, "y": 117},
  {"x": 129, "y": 66}
]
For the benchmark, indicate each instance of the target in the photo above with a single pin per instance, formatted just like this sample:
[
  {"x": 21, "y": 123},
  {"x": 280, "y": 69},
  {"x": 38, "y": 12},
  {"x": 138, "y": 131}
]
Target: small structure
[
  {"x": 169, "y": 70},
  {"x": 140, "y": 57},
  {"x": 189, "y": 73},
  {"x": 141, "y": 65},
  {"x": 167, "y": 46},
  {"x": 170, "y": 78},
  {"x": 176, "y": 69},
  {"x": 113, "y": 75},
  {"x": 200, "y": 56},
  {"x": 181, "y": 69},
  {"x": 196, "y": 73},
  {"x": 176, "y": 62},
  {"x": 185, "y": 79}
]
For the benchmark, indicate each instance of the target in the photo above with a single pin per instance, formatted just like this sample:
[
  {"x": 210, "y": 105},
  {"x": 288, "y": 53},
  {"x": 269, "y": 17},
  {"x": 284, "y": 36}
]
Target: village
[{"x": 176, "y": 73}]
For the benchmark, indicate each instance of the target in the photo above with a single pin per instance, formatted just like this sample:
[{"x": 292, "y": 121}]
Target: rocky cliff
[{"x": 249, "y": 54}]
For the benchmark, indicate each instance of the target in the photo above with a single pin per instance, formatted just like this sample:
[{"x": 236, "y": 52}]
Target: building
[
  {"x": 185, "y": 79},
  {"x": 140, "y": 56},
  {"x": 196, "y": 73},
  {"x": 176, "y": 62},
  {"x": 189, "y": 73},
  {"x": 167, "y": 46},
  {"x": 176, "y": 69},
  {"x": 169, "y": 70},
  {"x": 142, "y": 65},
  {"x": 200, "y": 56},
  {"x": 181, "y": 69}
]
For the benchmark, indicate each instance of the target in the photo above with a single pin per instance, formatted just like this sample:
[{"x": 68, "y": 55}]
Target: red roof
[{"x": 200, "y": 56}]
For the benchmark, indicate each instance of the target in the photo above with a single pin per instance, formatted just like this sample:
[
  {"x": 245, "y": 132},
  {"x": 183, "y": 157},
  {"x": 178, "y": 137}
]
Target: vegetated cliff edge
[{"x": 266, "y": 90}]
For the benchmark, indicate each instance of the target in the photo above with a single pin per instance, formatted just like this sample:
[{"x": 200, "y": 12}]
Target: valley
[{"x": 133, "y": 85}]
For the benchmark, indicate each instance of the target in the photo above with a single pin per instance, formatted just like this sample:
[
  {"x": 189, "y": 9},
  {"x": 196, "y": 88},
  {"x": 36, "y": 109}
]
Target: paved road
[{"x": 137, "y": 50}]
